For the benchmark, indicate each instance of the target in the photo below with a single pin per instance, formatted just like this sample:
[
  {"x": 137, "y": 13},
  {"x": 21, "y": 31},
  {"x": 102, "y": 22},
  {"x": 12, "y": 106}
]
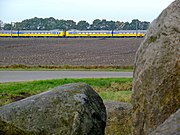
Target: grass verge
[
  {"x": 67, "y": 67},
  {"x": 117, "y": 89}
]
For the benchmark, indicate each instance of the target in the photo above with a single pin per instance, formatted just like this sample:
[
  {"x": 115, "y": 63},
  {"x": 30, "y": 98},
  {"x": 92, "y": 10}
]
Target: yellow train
[{"x": 72, "y": 33}]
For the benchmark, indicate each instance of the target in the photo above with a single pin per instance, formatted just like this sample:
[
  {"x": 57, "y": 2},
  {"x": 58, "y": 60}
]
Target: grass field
[{"x": 117, "y": 89}]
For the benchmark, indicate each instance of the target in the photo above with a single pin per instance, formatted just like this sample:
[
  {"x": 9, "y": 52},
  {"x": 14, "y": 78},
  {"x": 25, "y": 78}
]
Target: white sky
[{"x": 89, "y": 10}]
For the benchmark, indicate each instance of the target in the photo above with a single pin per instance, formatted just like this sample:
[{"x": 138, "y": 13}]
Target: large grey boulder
[
  {"x": 73, "y": 109},
  {"x": 156, "y": 84},
  {"x": 170, "y": 127},
  {"x": 119, "y": 118}
]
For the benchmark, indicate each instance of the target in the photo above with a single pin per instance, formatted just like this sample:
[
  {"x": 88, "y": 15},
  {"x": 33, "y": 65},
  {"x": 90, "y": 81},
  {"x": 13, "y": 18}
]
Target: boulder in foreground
[
  {"x": 156, "y": 84},
  {"x": 73, "y": 109},
  {"x": 170, "y": 127}
]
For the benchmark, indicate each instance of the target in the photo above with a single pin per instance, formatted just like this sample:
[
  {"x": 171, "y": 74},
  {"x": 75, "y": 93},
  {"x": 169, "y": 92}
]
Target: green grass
[
  {"x": 122, "y": 96},
  {"x": 118, "y": 89},
  {"x": 67, "y": 67}
]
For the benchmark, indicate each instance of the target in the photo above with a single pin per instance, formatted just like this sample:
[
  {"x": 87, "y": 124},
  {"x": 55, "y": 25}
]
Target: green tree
[
  {"x": 49, "y": 23},
  {"x": 103, "y": 25},
  {"x": 82, "y": 25},
  {"x": 7, "y": 26},
  {"x": 119, "y": 25},
  {"x": 110, "y": 25},
  {"x": 95, "y": 25},
  {"x": 70, "y": 24},
  {"x": 144, "y": 25},
  {"x": 61, "y": 24},
  {"x": 136, "y": 24},
  {"x": 126, "y": 26}
]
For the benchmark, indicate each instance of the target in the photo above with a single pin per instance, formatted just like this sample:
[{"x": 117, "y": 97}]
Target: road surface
[{"x": 15, "y": 76}]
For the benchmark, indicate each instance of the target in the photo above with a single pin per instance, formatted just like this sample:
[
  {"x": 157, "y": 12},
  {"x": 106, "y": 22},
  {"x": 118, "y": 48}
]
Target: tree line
[{"x": 52, "y": 23}]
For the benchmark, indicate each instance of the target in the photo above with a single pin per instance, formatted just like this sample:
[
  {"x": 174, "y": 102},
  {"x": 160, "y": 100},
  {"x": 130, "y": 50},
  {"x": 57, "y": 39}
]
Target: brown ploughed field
[{"x": 68, "y": 51}]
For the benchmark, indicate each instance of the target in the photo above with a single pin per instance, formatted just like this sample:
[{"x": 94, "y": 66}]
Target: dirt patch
[
  {"x": 73, "y": 52},
  {"x": 20, "y": 96}
]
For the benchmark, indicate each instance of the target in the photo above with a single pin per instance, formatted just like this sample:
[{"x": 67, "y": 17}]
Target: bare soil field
[{"x": 68, "y": 51}]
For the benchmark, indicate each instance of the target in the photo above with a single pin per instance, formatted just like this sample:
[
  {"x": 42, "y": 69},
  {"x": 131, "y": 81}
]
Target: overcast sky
[{"x": 89, "y": 10}]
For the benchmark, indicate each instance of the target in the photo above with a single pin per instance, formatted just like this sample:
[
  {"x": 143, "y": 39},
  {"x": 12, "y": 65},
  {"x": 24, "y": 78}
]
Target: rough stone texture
[
  {"x": 170, "y": 127},
  {"x": 73, "y": 109},
  {"x": 119, "y": 119},
  {"x": 156, "y": 84}
]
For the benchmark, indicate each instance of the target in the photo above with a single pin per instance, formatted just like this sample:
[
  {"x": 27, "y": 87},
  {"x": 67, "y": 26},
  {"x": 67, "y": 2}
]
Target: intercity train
[{"x": 73, "y": 33}]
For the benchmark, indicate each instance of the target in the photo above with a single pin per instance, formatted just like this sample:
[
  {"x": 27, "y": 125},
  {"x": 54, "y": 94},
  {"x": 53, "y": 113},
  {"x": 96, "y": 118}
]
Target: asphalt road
[{"x": 15, "y": 76}]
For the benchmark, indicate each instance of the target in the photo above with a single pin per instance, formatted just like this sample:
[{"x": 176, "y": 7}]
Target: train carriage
[
  {"x": 88, "y": 33},
  {"x": 73, "y": 33},
  {"x": 129, "y": 33},
  {"x": 31, "y": 33}
]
